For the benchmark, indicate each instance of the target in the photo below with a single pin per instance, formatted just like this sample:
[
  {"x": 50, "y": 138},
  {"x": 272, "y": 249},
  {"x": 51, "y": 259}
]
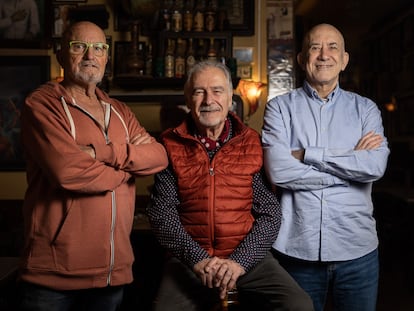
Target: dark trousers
[
  {"x": 266, "y": 287},
  {"x": 32, "y": 297}
]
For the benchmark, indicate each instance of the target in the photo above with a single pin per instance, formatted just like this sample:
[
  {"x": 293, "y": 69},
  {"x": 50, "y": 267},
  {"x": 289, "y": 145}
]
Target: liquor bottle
[
  {"x": 169, "y": 60},
  {"x": 221, "y": 57},
  {"x": 222, "y": 20},
  {"x": 159, "y": 67},
  {"x": 190, "y": 57},
  {"x": 135, "y": 57},
  {"x": 201, "y": 52},
  {"x": 165, "y": 16},
  {"x": 232, "y": 65},
  {"x": 179, "y": 61},
  {"x": 177, "y": 16},
  {"x": 198, "y": 22},
  {"x": 212, "y": 53},
  {"x": 148, "y": 60},
  {"x": 210, "y": 16},
  {"x": 188, "y": 16}
]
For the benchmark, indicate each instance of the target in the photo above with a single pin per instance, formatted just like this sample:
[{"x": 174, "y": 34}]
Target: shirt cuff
[
  {"x": 195, "y": 257},
  {"x": 313, "y": 156}
]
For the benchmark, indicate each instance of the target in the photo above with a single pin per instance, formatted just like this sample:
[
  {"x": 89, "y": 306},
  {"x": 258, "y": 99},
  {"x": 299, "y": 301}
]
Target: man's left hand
[{"x": 227, "y": 275}]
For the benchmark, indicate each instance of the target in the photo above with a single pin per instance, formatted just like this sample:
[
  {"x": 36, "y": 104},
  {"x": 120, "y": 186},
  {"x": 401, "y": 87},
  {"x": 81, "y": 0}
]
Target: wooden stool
[{"x": 231, "y": 301}]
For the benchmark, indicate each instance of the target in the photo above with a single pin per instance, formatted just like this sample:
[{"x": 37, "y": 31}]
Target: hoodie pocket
[{"x": 83, "y": 239}]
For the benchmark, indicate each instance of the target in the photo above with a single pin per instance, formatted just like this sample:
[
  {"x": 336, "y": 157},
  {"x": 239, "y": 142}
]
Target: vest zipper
[{"x": 211, "y": 206}]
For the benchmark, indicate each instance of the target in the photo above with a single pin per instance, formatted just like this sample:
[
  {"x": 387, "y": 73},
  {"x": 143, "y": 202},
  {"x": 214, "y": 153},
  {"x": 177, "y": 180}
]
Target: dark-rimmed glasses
[{"x": 79, "y": 48}]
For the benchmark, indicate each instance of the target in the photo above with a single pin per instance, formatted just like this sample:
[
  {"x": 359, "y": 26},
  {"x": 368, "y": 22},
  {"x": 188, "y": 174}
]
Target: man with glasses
[{"x": 83, "y": 151}]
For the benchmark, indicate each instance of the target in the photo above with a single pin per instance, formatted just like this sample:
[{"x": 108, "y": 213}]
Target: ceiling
[{"x": 355, "y": 18}]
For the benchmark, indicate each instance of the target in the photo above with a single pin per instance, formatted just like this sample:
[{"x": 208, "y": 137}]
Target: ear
[
  {"x": 300, "y": 60},
  {"x": 230, "y": 99},
  {"x": 345, "y": 60}
]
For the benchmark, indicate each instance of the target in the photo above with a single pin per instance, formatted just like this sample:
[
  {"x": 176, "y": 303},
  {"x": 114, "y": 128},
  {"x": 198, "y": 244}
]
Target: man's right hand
[
  {"x": 219, "y": 273},
  {"x": 206, "y": 270},
  {"x": 18, "y": 15}
]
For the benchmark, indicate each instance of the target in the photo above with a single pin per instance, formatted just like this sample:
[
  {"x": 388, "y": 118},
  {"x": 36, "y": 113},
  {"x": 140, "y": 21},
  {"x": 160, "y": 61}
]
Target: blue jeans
[
  {"x": 32, "y": 297},
  {"x": 354, "y": 283}
]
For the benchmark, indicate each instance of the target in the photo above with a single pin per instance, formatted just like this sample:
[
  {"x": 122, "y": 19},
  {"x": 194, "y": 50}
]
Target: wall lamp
[
  {"x": 250, "y": 91},
  {"x": 392, "y": 105}
]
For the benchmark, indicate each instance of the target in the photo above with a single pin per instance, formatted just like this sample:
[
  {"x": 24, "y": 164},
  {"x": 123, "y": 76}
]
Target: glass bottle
[
  {"x": 148, "y": 60},
  {"x": 212, "y": 53},
  {"x": 210, "y": 16},
  {"x": 188, "y": 16},
  {"x": 222, "y": 52},
  {"x": 179, "y": 61},
  {"x": 165, "y": 16},
  {"x": 198, "y": 22},
  {"x": 222, "y": 22},
  {"x": 135, "y": 56},
  {"x": 201, "y": 50},
  {"x": 169, "y": 60},
  {"x": 190, "y": 57},
  {"x": 177, "y": 16}
]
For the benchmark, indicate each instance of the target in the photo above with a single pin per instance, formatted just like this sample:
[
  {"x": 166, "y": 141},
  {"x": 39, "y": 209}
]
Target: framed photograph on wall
[
  {"x": 24, "y": 74},
  {"x": 240, "y": 15},
  {"x": 61, "y": 20},
  {"x": 26, "y": 24}
]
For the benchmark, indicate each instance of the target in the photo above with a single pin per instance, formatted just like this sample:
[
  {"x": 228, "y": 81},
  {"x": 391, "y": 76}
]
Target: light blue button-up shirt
[{"x": 327, "y": 211}]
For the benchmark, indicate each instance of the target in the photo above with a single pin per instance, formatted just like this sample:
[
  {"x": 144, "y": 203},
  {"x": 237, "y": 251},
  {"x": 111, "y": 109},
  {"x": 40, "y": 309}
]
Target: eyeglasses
[{"x": 79, "y": 47}]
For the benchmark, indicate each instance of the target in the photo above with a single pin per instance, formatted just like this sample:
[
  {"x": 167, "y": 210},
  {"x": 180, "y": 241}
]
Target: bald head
[
  {"x": 85, "y": 68},
  {"x": 322, "y": 28},
  {"x": 81, "y": 27},
  {"x": 323, "y": 57}
]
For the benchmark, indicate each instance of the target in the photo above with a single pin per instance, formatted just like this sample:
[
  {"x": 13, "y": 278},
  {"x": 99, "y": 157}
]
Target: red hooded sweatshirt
[{"x": 79, "y": 210}]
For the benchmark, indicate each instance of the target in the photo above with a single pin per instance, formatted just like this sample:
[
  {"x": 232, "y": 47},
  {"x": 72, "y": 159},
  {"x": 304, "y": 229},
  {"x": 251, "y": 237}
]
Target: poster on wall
[
  {"x": 24, "y": 74},
  {"x": 281, "y": 46},
  {"x": 25, "y": 24}
]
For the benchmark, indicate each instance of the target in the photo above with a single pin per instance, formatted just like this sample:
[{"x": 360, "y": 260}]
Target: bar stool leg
[{"x": 231, "y": 301}]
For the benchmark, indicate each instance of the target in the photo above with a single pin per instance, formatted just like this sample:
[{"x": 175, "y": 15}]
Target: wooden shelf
[{"x": 139, "y": 82}]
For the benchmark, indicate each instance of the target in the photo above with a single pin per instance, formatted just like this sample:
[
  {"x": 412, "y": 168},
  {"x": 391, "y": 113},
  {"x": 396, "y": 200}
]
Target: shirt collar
[
  {"x": 216, "y": 144},
  {"x": 312, "y": 93}
]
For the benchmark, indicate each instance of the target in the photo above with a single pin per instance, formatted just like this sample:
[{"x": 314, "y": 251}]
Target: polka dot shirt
[{"x": 165, "y": 222}]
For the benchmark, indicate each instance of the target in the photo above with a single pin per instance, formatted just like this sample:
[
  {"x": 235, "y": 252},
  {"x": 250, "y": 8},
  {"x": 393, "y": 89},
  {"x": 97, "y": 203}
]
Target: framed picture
[
  {"x": 61, "y": 18},
  {"x": 29, "y": 25},
  {"x": 244, "y": 56},
  {"x": 240, "y": 14},
  {"x": 24, "y": 74}
]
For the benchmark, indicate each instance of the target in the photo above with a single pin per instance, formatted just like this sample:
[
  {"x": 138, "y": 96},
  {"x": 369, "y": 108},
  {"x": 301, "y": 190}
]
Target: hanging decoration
[{"x": 280, "y": 44}]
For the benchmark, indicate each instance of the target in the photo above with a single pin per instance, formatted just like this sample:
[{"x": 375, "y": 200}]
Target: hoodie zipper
[
  {"x": 113, "y": 196},
  {"x": 111, "y": 239}
]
